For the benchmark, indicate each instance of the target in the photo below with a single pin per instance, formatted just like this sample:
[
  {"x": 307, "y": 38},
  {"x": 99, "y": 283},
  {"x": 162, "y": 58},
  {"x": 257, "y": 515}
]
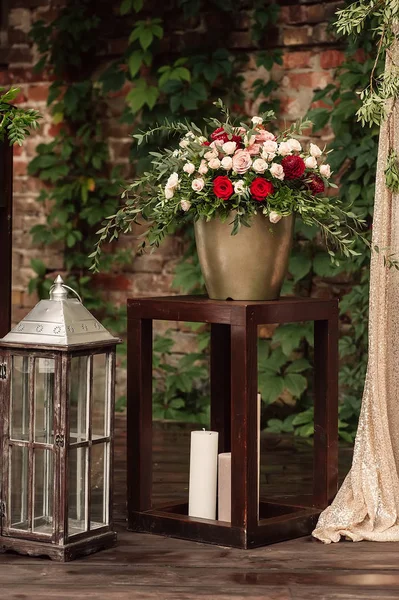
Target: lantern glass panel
[
  {"x": 77, "y": 492},
  {"x": 43, "y": 485},
  {"x": 18, "y": 492},
  {"x": 99, "y": 485},
  {"x": 20, "y": 398},
  {"x": 78, "y": 399},
  {"x": 44, "y": 400},
  {"x": 100, "y": 420}
]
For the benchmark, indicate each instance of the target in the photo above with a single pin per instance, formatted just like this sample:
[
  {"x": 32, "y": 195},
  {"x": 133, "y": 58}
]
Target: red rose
[
  {"x": 261, "y": 188},
  {"x": 206, "y": 143},
  {"x": 294, "y": 167},
  {"x": 220, "y": 134},
  {"x": 316, "y": 184},
  {"x": 238, "y": 140},
  {"x": 222, "y": 187}
]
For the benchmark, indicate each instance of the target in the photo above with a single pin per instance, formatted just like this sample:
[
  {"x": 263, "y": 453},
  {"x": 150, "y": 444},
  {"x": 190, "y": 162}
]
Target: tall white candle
[{"x": 203, "y": 474}]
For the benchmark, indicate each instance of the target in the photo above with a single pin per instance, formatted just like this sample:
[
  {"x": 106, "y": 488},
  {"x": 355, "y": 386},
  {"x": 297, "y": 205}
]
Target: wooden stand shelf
[{"x": 233, "y": 372}]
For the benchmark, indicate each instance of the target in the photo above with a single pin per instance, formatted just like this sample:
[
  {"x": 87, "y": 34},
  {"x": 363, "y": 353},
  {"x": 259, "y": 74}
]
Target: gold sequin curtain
[{"x": 367, "y": 505}]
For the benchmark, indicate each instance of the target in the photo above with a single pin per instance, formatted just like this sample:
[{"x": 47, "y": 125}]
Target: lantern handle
[
  {"x": 74, "y": 291},
  {"x": 68, "y": 288}
]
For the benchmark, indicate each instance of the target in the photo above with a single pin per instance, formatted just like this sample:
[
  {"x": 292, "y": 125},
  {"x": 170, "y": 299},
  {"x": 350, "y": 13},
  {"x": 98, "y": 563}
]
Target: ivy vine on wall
[{"x": 166, "y": 73}]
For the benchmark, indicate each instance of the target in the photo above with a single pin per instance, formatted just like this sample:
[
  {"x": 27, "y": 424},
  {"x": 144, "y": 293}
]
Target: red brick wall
[{"x": 310, "y": 57}]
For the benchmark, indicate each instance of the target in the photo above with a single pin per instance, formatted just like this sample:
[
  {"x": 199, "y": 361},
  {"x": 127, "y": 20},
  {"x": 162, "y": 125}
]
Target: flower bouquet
[{"x": 241, "y": 185}]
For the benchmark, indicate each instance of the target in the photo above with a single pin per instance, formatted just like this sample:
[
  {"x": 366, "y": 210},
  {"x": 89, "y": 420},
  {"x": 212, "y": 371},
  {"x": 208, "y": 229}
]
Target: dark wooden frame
[
  {"x": 6, "y": 158},
  {"x": 57, "y": 546},
  {"x": 233, "y": 369}
]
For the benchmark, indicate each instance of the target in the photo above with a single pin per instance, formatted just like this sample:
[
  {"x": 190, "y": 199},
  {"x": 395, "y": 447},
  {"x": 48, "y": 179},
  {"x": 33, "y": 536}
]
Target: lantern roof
[{"x": 60, "y": 321}]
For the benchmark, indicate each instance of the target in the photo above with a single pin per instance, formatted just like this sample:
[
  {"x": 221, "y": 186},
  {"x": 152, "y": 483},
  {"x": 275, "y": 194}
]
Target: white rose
[
  {"x": 169, "y": 193},
  {"x": 268, "y": 155},
  {"x": 189, "y": 168},
  {"x": 240, "y": 187},
  {"x": 227, "y": 163},
  {"x": 185, "y": 204},
  {"x": 197, "y": 184},
  {"x": 203, "y": 169},
  {"x": 315, "y": 150},
  {"x": 229, "y": 147},
  {"x": 270, "y": 146},
  {"x": 259, "y": 165},
  {"x": 201, "y": 139},
  {"x": 214, "y": 163},
  {"x": 277, "y": 171},
  {"x": 284, "y": 149},
  {"x": 249, "y": 140},
  {"x": 257, "y": 120},
  {"x": 274, "y": 217},
  {"x": 210, "y": 154},
  {"x": 311, "y": 162},
  {"x": 216, "y": 144},
  {"x": 294, "y": 145},
  {"x": 184, "y": 143},
  {"x": 173, "y": 181},
  {"x": 325, "y": 171}
]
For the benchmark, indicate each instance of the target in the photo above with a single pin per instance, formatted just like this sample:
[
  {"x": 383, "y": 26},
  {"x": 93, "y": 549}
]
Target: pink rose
[
  {"x": 254, "y": 149},
  {"x": 264, "y": 136},
  {"x": 242, "y": 161}
]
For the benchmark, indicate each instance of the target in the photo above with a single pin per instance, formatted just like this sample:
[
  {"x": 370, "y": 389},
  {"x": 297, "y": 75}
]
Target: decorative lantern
[{"x": 57, "y": 380}]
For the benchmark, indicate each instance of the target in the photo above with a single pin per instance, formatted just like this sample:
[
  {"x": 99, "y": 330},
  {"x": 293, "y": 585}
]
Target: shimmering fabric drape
[{"x": 367, "y": 505}]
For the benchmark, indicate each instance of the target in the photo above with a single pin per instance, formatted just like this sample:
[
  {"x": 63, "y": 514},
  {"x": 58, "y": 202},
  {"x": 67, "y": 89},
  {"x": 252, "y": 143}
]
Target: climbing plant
[
  {"x": 354, "y": 160},
  {"x": 164, "y": 73},
  {"x": 15, "y": 123}
]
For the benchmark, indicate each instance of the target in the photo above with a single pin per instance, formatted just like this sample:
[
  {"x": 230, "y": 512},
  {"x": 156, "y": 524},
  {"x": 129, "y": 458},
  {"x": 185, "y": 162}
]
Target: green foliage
[
  {"x": 15, "y": 123},
  {"x": 181, "y": 390},
  {"x": 392, "y": 172},
  {"x": 167, "y": 204},
  {"x": 83, "y": 190}
]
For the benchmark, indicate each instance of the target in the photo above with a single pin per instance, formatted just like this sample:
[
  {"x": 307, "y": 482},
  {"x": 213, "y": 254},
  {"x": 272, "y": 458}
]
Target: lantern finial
[{"x": 58, "y": 290}]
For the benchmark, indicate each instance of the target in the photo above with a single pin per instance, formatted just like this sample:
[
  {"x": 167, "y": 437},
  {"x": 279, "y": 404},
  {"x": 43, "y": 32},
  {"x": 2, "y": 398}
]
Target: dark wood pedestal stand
[{"x": 234, "y": 328}]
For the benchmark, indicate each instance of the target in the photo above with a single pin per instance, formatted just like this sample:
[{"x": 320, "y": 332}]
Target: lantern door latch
[
  {"x": 59, "y": 440},
  {"x": 3, "y": 371}
]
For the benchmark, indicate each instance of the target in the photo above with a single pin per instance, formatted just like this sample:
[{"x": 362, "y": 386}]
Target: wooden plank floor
[{"x": 153, "y": 568}]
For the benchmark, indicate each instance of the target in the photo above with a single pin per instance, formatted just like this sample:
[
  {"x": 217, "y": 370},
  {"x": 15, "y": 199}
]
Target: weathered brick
[
  {"x": 330, "y": 59},
  {"x": 37, "y": 93},
  {"x": 296, "y": 60}
]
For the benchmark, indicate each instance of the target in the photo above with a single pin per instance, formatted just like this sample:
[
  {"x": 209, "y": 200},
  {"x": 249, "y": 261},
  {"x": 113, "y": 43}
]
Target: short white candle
[
  {"x": 203, "y": 474},
  {"x": 224, "y": 487}
]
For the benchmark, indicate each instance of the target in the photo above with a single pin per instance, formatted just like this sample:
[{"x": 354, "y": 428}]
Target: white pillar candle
[
  {"x": 224, "y": 487},
  {"x": 203, "y": 474}
]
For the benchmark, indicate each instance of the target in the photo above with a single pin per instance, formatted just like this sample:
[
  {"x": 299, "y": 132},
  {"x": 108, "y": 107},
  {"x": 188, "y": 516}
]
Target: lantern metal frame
[{"x": 59, "y": 544}]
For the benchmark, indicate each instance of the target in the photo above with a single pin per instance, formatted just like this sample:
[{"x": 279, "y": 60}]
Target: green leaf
[
  {"x": 39, "y": 267},
  {"x": 299, "y": 266},
  {"x": 270, "y": 386},
  {"x": 137, "y": 5},
  {"x": 298, "y": 366},
  {"x": 134, "y": 62},
  {"x": 296, "y": 384},
  {"x": 271, "y": 363},
  {"x": 126, "y": 7},
  {"x": 290, "y": 336},
  {"x": 304, "y": 417},
  {"x": 323, "y": 266},
  {"x": 145, "y": 38},
  {"x": 319, "y": 118}
]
